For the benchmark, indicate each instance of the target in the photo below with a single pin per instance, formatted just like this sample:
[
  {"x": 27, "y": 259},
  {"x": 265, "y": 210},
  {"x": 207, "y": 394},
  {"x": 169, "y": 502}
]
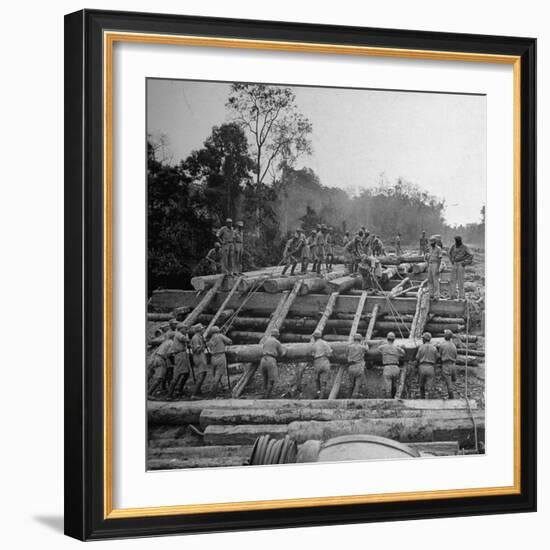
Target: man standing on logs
[
  {"x": 448, "y": 355},
  {"x": 159, "y": 365},
  {"x": 289, "y": 253},
  {"x": 378, "y": 247},
  {"x": 239, "y": 248},
  {"x": 310, "y": 242},
  {"x": 272, "y": 350},
  {"x": 353, "y": 247},
  {"x": 356, "y": 365},
  {"x": 348, "y": 258},
  {"x": 391, "y": 356},
  {"x": 433, "y": 257},
  {"x": 305, "y": 252},
  {"x": 214, "y": 259},
  {"x": 426, "y": 358},
  {"x": 367, "y": 270},
  {"x": 320, "y": 248},
  {"x": 218, "y": 360},
  {"x": 180, "y": 356},
  {"x": 460, "y": 256},
  {"x": 226, "y": 236},
  {"x": 329, "y": 248},
  {"x": 398, "y": 250},
  {"x": 198, "y": 349},
  {"x": 321, "y": 352},
  {"x": 423, "y": 243}
]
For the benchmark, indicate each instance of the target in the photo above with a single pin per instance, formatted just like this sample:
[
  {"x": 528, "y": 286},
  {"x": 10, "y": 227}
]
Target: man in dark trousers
[
  {"x": 226, "y": 237},
  {"x": 238, "y": 248},
  {"x": 423, "y": 248},
  {"x": 426, "y": 358},
  {"x": 460, "y": 256},
  {"x": 290, "y": 253},
  {"x": 214, "y": 258}
]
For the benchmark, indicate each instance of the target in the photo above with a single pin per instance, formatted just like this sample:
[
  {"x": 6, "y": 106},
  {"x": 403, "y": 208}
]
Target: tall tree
[
  {"x": 223, "y": 168},
  {"x": 279, "y": 132}
]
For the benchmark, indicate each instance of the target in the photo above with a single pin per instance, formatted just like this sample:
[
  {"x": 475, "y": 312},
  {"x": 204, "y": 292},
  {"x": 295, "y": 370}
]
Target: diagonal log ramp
[
  {"x": 222, "y": 307},
  {"x": 277, "y": 320},
  {"x": 355, "y": 324},
  {"x": 321, "y": 325},
  {"x": 205, "y": 301}
]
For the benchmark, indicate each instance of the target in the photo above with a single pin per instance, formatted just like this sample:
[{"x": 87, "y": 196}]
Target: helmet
[
  {"x": 217, "y": 245},
  {"x": 448, "y": 333},
  {"x": 275, "y": 332},
  {"x": 391, "y": 336},
  {"x": 228, "y": 220},
  {"x": 357, "y": 336},
  {"x": 215, "y": 329},
  {"x": 198, "y": 327},
  {"x": 317, "y": 334},
  {"x": 240, "y": 224},
  {"x": 173, "y": 322},
  {"x": 426, "y": 336},
  {"x": 183, "y": 326}
]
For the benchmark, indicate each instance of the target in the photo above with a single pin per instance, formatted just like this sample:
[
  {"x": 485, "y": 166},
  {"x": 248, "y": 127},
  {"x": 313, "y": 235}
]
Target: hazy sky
[{"x": 437, "y": 141}]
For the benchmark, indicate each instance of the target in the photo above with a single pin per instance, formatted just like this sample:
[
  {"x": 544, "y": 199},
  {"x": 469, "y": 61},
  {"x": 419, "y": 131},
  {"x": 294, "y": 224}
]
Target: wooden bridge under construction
[{"x": 247, "y": 307}]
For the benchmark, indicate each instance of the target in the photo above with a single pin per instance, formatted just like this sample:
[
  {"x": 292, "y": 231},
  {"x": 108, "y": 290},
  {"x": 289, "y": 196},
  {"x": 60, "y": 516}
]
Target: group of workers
[
  {"x": 227, "y": 254},
  {"x": 183, "y": 352},
  {"x": 459, "y": 255},
  {"x": 179, "y": 357}
]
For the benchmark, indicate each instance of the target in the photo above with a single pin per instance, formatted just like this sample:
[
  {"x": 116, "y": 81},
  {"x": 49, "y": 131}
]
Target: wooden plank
[
  {"x": 204, "y": 303},
  {"x": 396, "y": 290},
  {"x": 242, "y": 434},
  {"x": 222, "y": 306}
]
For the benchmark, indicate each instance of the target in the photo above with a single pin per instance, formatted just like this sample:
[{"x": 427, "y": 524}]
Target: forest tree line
[{"x": 246, "y": 170}]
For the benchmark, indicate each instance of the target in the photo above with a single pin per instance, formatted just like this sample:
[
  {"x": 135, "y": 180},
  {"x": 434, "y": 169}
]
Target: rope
[{"x": 393, "y": 310}]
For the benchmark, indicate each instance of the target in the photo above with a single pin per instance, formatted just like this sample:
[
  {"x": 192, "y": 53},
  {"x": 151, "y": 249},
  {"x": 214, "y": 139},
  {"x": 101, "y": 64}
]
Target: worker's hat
[
  {"x": 275, "y": 332},
  {"x": 228, "y": 220},
  {"x": 433, "y": 238},
  {"x": 197, "y": 327},
  {"x": 217, "y": 245},
  {"x": 357, "y": 336},
  {"x": 215, "y": 329},
  {"x": 391, "y": 336},
  {"x": 173, "y": 321},
  {"x": 240, "y": 224},
  {"x": 331, "y": 228},
  {"x": 183, "y": 326},
  {"x": 448, "y": 332},
  {"x": 427, "y": 336},
  {"x": 317, "y": 334}
]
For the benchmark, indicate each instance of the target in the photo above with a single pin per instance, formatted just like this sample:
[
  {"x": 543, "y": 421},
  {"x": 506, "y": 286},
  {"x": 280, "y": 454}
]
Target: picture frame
[{"x": 89, "y": 158}]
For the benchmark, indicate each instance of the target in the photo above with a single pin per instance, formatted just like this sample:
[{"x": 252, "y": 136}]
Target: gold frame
[{"x": 109, "y": 39}]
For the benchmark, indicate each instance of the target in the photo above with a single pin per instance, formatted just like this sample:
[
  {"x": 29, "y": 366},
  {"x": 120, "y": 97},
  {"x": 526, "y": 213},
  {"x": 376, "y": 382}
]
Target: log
[
  {"x": 421, "y": 313},
  {"x": 172, "y": 416},
  {"x": 355, "y": 324},
  {"x": 205, "y": 301},
  {"x": 311, "y": 286},
  {"x": 437, "y": 448},
  {"x": 311, "y": 304},
  {"x": 244, "y": 434},
  {"x": 183, "y": 451},
  {"x": 419, "y": 268},
  {"x": 286, "y": 415},
  {"x": 342, "y": 284},
  {"x": 173, "y": 463},
  {"x": 205, "y": 281},
  {"x": 405, "y": 429},
  {"x": 279, "y": 284},
  {"x": 471, "y": 352},
  {"x": 396, "y": 260},
  {"x": 158, "y": 317},
  {"x": 222, "y": 307},
  {"x": 447, "y": 320},
  {"x": 388, "y": 273},
  {"x": 396, "y": 290},
  {"x": 300, "y": 352}
]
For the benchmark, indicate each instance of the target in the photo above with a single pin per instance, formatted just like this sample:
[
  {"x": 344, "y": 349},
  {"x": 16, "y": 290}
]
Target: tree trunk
[{"x": 205, "y": 302}]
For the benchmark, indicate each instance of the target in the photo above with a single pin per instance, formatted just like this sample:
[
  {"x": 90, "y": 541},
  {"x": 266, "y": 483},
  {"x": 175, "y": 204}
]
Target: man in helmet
[
  {"x": 218, "y": 361},
  {"x": 320, "y": 248},
  {"x": 321, "y": 353},
  {"x": 290, "y": 253},
  {"x": 305, "y": 252},
  {"x": 272, "y": 350},
  {"x": 426, "y": 358},
  {"x": 238, "y": 248},
  {"x": 310, "y": 242},
  {"x": 180, "y": 355},
  {"x": 448, "y": 354},
  {"x": 198, "y": 350},
  {"x": 392, "y": 355},
  {"x": 356, "y": 365},
  {"x": 433, "y": 257},
  {"x": 159, "y": 364},
  {"x": 460, "y": 256},
  {"x": 226, "y": 237},
  {"x": 214, "y": 258}
]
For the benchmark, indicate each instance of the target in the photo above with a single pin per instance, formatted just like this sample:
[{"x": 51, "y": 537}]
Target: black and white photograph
[{"x": 315, "y": 274}]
